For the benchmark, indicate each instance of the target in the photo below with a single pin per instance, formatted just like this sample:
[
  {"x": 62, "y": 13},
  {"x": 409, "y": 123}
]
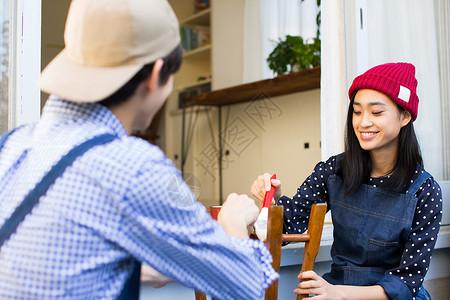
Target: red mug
[{"x": 214, "y": 211}]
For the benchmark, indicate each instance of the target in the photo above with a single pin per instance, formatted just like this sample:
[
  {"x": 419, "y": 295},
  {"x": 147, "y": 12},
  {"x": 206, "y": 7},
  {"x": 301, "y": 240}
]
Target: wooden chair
[{"x": 275, "y": 238}]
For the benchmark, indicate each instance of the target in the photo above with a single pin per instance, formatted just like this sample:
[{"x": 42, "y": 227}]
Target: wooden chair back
[
  {"x": 311, "y": 239},
  {"x": 275, "y": 238}
]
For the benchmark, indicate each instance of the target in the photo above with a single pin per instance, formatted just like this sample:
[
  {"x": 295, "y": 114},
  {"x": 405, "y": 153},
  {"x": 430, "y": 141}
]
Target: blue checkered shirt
[{"x": 120, "y": 200}]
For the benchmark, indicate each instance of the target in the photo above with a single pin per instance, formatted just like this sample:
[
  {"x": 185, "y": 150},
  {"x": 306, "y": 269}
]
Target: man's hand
[
  {"x": 237, "y": 214},
  {"x": 151, "y": 277}
]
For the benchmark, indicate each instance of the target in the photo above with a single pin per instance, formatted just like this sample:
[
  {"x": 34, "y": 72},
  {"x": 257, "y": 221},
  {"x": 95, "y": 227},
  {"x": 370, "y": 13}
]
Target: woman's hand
[
  {"x": 311, "y": 283},
  {"x": 263, "y": 184}
]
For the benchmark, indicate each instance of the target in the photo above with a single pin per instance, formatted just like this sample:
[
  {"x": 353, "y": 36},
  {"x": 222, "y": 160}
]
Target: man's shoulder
[
  {"x": 132, "y": 153},
  {"x": 131, "y": 146}
]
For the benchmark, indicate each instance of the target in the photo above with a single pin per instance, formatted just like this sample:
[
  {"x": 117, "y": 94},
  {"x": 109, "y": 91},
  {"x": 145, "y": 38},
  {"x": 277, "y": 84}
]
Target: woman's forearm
[{"x": 350, "y": 292}]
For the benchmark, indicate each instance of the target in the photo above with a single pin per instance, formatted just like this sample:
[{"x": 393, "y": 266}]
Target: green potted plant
[{"x": 293, "y": 53}]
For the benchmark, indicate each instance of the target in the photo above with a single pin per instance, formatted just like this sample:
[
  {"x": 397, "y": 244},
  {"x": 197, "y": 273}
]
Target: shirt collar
[{"x": 58, "y": 110}]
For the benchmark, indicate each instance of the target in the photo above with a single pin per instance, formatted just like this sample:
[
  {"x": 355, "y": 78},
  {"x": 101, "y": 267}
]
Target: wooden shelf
[
  {"x": 200, "y": 18},
  {"x": 191, "y": 85},
  {"x": 199, "y": 52},
  {"x": 281, "y": 85}
]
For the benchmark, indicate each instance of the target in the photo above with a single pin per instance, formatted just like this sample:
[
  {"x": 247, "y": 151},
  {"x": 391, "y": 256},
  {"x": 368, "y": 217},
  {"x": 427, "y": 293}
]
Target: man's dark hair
[
  {"x": 172, "y": 63},
  {"x": 356, "y": 164}
]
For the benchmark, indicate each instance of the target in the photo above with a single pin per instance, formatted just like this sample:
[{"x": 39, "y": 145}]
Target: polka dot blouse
[{"x": 418, "y": 249}]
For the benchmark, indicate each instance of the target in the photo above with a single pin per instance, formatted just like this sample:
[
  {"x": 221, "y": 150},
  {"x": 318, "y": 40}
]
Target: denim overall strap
[
  {"x": 131, "y": 288},
  {"x": 5, "y": 136},
  {"x": 41, "y": 188}
]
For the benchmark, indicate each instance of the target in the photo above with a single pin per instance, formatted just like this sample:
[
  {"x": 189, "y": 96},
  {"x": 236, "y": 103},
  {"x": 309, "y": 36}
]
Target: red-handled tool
[
  {"x": 269, "y": 194},
  {"x": 261, "y": 222}
]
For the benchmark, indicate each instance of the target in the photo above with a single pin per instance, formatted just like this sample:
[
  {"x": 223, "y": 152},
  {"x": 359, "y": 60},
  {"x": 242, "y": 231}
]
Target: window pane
[{"x": 4, "y": 61}]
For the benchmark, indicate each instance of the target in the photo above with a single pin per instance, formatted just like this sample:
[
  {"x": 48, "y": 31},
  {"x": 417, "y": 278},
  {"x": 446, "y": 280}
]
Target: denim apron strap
[{"x": 412, "y": 190}]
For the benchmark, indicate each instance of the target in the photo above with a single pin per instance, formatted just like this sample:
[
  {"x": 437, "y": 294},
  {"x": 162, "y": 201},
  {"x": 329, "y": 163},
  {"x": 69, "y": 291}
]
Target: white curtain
[
  {"x": 265, "y": 22},
  {"x": 442, "y": 12},
  {"x": 404, "y": 31},
  {"x": 333, "y": 99}
]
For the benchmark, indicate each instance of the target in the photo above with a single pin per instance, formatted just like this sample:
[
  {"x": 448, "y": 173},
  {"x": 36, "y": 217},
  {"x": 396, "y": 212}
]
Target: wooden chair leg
[
  {"x": 315, "y": 227},
  {"x": 199, "y": 296},
  {"x": 273, "y": 243}
]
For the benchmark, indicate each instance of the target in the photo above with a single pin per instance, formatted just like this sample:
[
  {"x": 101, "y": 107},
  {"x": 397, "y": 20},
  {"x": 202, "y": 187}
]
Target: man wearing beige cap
[{"x": 82, "y": 203}]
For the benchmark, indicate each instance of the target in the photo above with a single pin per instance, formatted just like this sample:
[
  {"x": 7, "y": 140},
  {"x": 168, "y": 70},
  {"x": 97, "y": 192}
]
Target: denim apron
[
  {"x": 130, "y": 290},
  {"x": 371, "y": 228}
]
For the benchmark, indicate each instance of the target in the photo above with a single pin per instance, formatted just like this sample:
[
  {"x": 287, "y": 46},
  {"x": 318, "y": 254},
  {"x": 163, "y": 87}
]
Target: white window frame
[{"x": 24, "y": 62}]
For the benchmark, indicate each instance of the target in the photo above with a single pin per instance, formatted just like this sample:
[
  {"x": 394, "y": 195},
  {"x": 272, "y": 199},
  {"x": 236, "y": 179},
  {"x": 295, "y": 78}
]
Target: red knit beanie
[{"x": 395, "y": 80}]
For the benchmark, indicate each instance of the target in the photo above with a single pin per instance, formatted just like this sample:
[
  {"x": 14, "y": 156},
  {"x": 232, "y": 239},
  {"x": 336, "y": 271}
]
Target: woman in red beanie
[{"x": 386, "y": 209}]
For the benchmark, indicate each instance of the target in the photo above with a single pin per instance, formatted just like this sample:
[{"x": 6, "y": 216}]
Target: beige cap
[{"x": 106, "y": 43}]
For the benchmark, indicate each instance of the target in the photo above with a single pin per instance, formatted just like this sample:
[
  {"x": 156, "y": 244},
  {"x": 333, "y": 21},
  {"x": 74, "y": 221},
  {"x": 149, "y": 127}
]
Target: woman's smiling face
[{"x": 377, "y": 121}]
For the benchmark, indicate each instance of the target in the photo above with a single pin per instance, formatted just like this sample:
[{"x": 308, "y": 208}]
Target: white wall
[
  {"x": 279, "y": 128},
  {"x": 227, "y": 35}
]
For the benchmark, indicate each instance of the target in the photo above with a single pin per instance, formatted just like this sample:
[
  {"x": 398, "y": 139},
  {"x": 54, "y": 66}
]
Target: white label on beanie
[{"x": 404, "y": 93}]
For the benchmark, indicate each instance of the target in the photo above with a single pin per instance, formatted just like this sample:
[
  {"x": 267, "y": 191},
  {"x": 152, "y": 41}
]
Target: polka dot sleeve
[
  {"x": 314, "y": 189},
  {"x": 424, "y": 231}
]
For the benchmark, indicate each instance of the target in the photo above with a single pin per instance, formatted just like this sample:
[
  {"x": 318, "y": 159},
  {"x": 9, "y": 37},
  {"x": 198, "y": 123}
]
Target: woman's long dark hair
[{"x": 356, "y": 164}]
